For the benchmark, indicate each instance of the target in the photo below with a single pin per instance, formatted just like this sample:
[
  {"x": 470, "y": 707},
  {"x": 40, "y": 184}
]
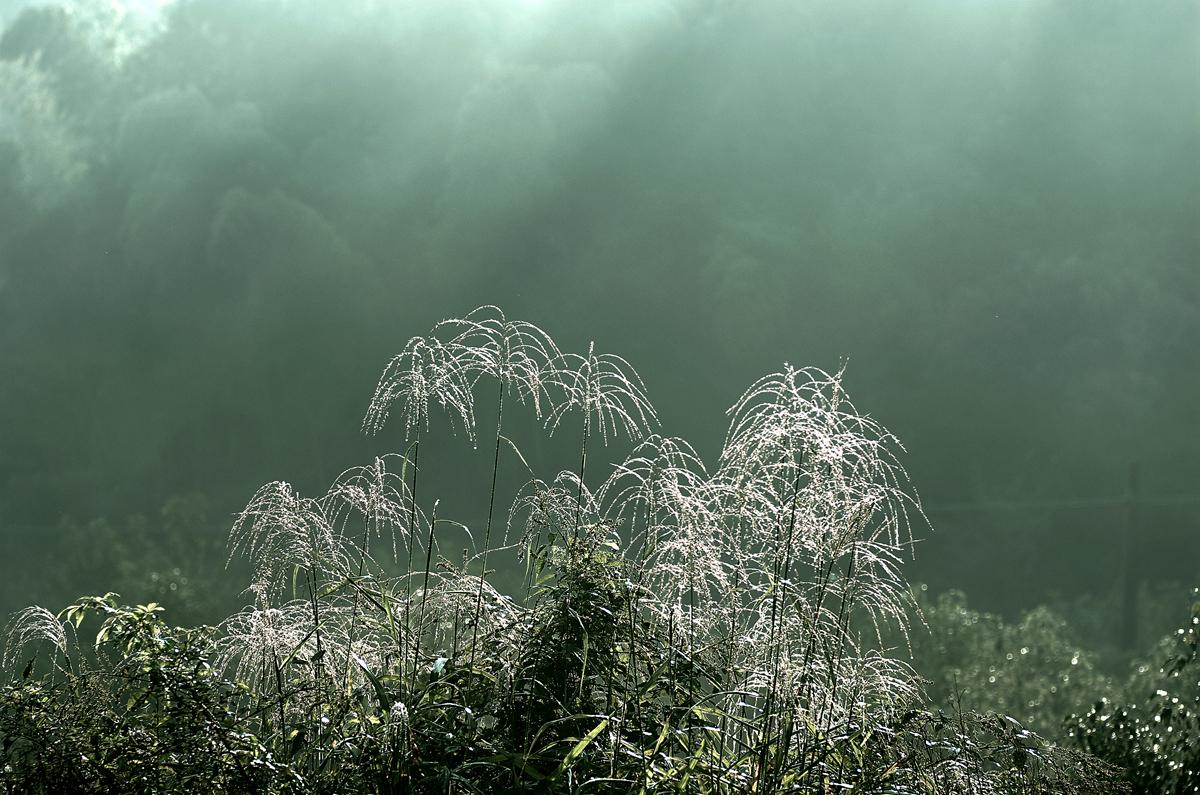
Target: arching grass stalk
[
  {"x": 604, "y": 385},
  {"x": 487, "y": 533},
  {"x": 279, "y": 694},
  {"x": 810, "y": 648},
  {"x": 412, "y": 542},
  {"x": 634, "y": 610},
  {"x": 582, "y": 473},
  {"x": 691, "y": 652},
  {"x": 354, "y": 618},
  {"x": 425, "y": 370},
  {"x": 362, "y": 563},
  {"x": 727, "y": 732},
  {"x": 517, "y": 354},
  {"x": 377, "y": 498},
  {"x": 424, "y": 595},
  {"x": 458, "y": 612},
  {"x": 643, "y": 471},
  {"x": 782, "y": 575},
  {"x": 841, "y": 635},
  {"x": 318, "y": 658}
]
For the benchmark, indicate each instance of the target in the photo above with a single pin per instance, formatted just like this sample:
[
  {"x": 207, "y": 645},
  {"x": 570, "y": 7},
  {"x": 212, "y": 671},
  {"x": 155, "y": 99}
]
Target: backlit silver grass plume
[
  {"x": 31, "y": 626},
  {"x": 815, "y": 517},
  {"x": 880, "y": 681},
  {"x": 447, "y": 620},
  {"x": 829, "y": 574},
  {"x": 425, "y": 370},
  {"x": 784, "y": 660},
  {"x": 773, "y": 621},
  {"x": 352, "y": 637},
  {"x": 804, "y": 631},
  {"x": 641, "y": 487},
  {"x": 827, "y": 488},
  {"x": 373, "y": 501},
  {"x": 681, "y": 541},
  {"x": 278, "y": 530},
  {"x": 775, "y": 414},
  {"x": 544, "y": 510},
  {"x": 686, "y": 574},
  {"x": 605, "y": 387},
  {"x": 828, "y": 690},
  {"x": 795, "y": 431},
  {"x": 520, "y": 355},
  {"x": 255, "y": 644}
]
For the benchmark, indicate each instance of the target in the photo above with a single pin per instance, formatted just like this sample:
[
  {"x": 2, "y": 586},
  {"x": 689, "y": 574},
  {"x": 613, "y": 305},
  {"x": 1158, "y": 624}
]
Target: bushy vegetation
[
  {"x": 1152, "y": 729},
  {"x": 140, "y": 711},
  {"x": 1035, "y": 669},
  {"x": 1146, "y": 724},
  {"x": 677, "y": 629},
  {"x": 172, "y": 558}
]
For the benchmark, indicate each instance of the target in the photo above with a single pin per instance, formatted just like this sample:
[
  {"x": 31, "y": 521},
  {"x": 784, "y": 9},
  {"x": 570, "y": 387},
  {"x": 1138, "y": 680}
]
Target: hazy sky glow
[{"x": 219, "y": 220}]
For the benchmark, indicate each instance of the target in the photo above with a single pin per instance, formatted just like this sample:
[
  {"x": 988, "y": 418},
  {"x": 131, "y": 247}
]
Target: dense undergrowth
[{"x": 678, "y": 628}]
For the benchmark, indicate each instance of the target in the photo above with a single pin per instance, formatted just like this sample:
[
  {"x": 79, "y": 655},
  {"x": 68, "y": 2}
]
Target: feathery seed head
[
  {"x": 607, "y": 388},
  {"x": 31, "y": 625},
  {"x": 374, "y": 497},
  {"x": 426, "y": 370},
  {"x": 518, "y": 354},
  {"x": 279, "y": 529}
]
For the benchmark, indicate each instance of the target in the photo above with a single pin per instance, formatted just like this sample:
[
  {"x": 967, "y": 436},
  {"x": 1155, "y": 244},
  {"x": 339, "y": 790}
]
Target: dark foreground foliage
[
  {"x": 1154, "y": 733},
  {"x": 679, "y": 630},
  {"x": 148, "y": 713},
  {"x": 144, "y": 713}
]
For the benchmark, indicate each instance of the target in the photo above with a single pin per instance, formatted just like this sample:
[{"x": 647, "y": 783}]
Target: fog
[{"x": 218, "y": 220}]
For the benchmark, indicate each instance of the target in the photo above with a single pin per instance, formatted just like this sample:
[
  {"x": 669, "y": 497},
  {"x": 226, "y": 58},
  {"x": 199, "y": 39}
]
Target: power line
[{"x": 1056, "y": 505}]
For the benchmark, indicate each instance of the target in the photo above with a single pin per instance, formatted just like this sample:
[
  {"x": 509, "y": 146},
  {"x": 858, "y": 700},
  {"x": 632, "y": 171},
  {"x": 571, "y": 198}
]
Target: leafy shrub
[
  {"x": 1033, "y": 670},
  {"x": 1155, "y": 738},
  {"x": 142, "y": 712}
]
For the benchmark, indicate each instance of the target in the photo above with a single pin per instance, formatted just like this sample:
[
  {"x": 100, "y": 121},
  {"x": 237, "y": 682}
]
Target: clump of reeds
[{"x": 680, "y": 626}]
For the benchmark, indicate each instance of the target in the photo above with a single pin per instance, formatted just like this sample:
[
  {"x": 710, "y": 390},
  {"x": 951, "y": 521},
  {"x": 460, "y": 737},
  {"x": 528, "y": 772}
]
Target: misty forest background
[{"x": 218, "y": 220}]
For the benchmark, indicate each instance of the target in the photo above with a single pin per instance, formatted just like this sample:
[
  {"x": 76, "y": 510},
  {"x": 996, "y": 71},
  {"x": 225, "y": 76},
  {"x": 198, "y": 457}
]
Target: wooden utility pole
[{"x": 1130, "y": 546}]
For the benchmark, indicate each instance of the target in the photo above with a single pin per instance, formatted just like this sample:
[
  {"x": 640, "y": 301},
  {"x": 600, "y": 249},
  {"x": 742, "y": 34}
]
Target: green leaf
[
  {"x": 580, "y": 747},
  {"x": 380, "y": 694},
  {"x": 296, "y": 650},
  {"x": 681, "y": 785}
]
